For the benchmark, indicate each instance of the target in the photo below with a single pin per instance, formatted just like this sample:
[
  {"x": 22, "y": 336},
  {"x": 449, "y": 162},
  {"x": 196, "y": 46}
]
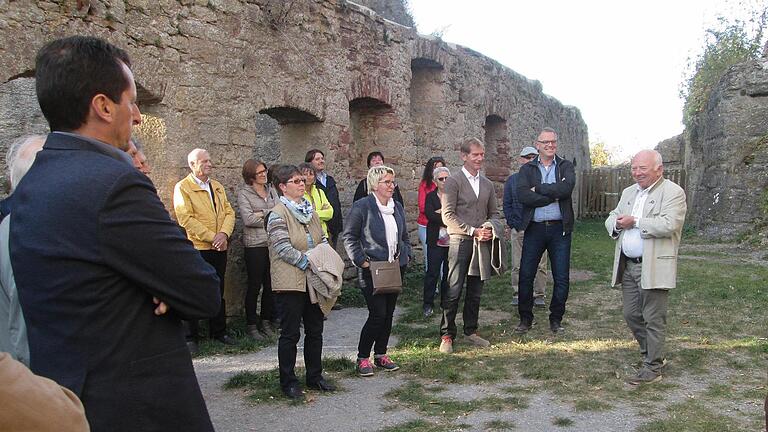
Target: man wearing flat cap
[{"x": 513, "y": 212}]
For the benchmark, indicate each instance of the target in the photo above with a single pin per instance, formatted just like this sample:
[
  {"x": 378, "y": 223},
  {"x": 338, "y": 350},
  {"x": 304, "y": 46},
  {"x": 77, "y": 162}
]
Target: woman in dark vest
[{"x": 293, "y": 228}]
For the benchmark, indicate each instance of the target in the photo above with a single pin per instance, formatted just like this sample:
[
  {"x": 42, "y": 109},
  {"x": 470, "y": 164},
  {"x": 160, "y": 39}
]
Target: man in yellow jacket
[{"x": 203, "y": 210}]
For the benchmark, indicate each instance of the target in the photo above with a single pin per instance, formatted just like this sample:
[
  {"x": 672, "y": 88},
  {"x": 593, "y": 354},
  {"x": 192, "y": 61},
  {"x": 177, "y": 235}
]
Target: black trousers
[
  {"x": 295, "y": 307},
  {"x": 437, "y": 262},
  {"x": 459, "y": 256},
  {"x": 217, "y": 326},
  {"x": 257, "y": 266},
  {"x": 378, "y": 326}
]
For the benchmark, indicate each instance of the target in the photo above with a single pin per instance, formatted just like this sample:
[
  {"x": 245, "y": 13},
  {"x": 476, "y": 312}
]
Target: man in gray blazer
[
  {"x": 647, "y": 222},
  {"x": 468, "y": 202}
]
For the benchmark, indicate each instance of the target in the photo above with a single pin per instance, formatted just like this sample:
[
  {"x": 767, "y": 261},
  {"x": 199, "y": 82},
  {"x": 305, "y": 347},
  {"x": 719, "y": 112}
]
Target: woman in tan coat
[{"x": 293, "y": 228}]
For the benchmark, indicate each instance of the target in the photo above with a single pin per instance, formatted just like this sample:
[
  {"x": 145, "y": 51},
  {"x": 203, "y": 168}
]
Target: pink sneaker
[
  {"x": 364, "y": 368},
  {"x": 385, "y": 363}
]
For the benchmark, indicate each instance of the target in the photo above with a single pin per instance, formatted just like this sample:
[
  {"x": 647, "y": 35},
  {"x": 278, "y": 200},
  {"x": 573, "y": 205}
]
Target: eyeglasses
[
  {"x": 262, "y": 172},
  {"x": 388, "y": 183},
  {"x": 550, "y": 142},
  {"x": 297, "y": 181},
  {"x": 442, "y": 179},
  {"x": 529, "y": 157}
]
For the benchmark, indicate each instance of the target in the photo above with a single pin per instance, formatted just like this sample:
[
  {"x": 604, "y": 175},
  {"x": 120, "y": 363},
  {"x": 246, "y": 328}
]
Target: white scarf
[{"x": 390, "y": 226}]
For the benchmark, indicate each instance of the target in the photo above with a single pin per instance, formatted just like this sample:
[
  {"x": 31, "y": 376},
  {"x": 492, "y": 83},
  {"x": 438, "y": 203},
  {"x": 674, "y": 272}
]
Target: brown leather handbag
[{"x": 386, "y": 277}]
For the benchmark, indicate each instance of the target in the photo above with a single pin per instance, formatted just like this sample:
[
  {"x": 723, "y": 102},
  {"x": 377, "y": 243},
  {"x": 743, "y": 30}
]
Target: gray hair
[
  {"x": 657, "y": 160},
  {"x": 20, "y": 156},
  {"x": 439, "y": 170},
  {"x": 194, "y": 155},
  {"x": 375, "y": 174}
]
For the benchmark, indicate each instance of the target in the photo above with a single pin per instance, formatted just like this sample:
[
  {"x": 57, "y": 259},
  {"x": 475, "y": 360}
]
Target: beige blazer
[
  {"x": 462, "y": 209},
  {"x": 660, "y": 227}
]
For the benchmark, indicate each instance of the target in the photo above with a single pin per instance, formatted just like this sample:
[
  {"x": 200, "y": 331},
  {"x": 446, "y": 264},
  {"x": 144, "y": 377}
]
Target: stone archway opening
[
  {"x": 427, "y": 102},
  {"x": 374, "y": 127},
  {"x": 498, "y": 161},
  {"x": 284, "y": 134}
]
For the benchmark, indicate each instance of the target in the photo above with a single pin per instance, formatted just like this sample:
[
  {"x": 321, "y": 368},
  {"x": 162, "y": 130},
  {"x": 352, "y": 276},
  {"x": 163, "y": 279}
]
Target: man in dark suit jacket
[
  {"x": 468, "y": 202},
  {"x": 93, "y": 251},
  {"x": 328, "y": 184}
]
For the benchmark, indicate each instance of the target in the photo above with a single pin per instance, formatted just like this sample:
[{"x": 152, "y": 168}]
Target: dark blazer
[
  {"x": 365, "y": 236},
  {"x": 362, "y": 192},
  {"x": 91, "y": 244},
  {"x": 545, "y": 194},
  {"x": 513, "y": 209},
  {"x": 336, "y": 224},
  {"x": 434, "y": 219}
]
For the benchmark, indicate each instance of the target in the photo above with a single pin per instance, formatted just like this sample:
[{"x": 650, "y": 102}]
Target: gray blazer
[{"x": 463, "y": 210}]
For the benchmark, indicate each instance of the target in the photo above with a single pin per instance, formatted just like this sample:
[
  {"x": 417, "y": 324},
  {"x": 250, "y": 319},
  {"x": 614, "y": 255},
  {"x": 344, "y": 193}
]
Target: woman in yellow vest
[{"x": 316, "y": 196}]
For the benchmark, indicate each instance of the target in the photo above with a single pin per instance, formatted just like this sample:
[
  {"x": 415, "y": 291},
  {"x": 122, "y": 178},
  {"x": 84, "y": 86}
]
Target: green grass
[
  {"x": 562, "y": 421},
  {"x": 715, "y": 338},
  {"x": 237, "y": 329},
  {"x": 264, "y": 386},
  {"x": 499, "y": 425},
  {"x": 589, "y": 363}
]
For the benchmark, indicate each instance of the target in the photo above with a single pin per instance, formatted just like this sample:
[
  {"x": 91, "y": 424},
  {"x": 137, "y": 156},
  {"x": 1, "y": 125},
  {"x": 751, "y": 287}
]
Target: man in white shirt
[
  {"x": 648, "y": 223},
  {"x": 468, "y": 201}
]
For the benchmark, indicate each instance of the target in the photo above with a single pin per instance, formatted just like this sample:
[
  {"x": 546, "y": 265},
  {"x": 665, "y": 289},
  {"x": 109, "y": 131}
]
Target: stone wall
[
  {"x": 271, "y": 79},
  {"x": 727, "y": 154}
]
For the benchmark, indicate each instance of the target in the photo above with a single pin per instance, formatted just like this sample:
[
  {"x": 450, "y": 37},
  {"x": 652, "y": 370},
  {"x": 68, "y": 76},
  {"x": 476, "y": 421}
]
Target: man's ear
[{"x": 103, "y": 107}]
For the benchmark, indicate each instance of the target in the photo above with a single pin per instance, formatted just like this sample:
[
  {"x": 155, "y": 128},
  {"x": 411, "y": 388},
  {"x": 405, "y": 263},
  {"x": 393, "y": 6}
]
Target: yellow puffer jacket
[{"x": 195, "y": 213}]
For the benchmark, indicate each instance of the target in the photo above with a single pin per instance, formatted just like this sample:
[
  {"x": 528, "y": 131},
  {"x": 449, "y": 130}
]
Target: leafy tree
[
  {"x": 729, "y": 42},
  {"x": 600, "y": 154}
]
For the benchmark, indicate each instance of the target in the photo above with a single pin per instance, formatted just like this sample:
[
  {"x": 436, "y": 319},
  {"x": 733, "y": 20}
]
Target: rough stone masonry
[{"x": 272, "y": 78}]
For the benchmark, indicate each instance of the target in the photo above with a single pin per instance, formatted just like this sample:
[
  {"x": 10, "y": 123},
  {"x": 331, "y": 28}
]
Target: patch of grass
[
  {"x": 414, "y": 425},
  {"x": 259, "y": 386},
  {"x": 351, "y": 296},
  {"x": 691, "y": 416},
  {"x": 264, "y": 386},
  {"x": 499, "y": 425},
  {"x": 562, "y": 421},
  {"x": 415, "y": 396},
  {"x": 591, "y": 405},
  {"x": 237, "y": 329}
]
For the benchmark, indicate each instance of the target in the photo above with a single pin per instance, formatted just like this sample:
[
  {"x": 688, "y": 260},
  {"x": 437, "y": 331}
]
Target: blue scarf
[{"x": 302, "y": 211}]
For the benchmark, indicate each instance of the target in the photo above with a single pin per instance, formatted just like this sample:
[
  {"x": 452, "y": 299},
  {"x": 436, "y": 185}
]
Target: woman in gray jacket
[{"x": 255, "y": 199}]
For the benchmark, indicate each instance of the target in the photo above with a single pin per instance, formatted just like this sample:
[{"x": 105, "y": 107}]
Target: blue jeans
[
  {"x": 540, "y": 237},
  {"x": 423, "y": 240}
]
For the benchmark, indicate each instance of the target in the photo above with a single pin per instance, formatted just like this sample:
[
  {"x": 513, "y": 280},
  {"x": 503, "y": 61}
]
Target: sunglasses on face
[
  {"x": 529, "y": 157},
  {"x": 297, "y": 181},
  {"x": 442, "y": 179}
]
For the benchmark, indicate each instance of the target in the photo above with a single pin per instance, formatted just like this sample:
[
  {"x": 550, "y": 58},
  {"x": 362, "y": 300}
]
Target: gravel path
[{"x": 360, "y": 406}]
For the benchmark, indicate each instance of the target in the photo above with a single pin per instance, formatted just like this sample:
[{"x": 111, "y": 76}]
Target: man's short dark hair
[
  {"x": 69, "y": 72},
  {"x": 372, "y": 155},
  {"x": 311, "y": 154},
  {"x": 282, "y": 174}
]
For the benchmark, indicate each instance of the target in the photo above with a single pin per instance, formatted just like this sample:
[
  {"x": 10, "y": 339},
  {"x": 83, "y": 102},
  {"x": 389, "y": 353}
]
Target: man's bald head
[
  {"x": 20, "y": 156},
  {"x": 647, "y": 167}
]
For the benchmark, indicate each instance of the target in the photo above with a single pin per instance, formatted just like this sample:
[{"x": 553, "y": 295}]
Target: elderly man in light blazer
[
  {"x": 647, "y": 224},
  {"x": 467, "y": 203}
]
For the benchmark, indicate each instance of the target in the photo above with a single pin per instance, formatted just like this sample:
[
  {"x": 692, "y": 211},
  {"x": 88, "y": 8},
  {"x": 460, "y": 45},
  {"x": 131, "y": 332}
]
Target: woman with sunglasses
[
  {"x": 255, "y": 199},
  {"x": 293, "y": 228},
  {"x": 376, "y": 231},
  {"x": 426, "y": 186},
  {"x": 437, "y": 242}
]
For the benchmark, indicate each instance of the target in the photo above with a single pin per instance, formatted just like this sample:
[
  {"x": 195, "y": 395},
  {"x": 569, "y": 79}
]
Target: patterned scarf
[{"x": 302, "y": 211}]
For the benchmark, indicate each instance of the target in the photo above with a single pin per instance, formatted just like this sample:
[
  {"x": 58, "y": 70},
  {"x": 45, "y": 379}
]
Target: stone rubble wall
[{"x": 271, "y": 79}]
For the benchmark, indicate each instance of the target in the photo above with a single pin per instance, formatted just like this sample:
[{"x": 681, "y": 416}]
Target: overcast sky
[{"x": 619, "y": 62}]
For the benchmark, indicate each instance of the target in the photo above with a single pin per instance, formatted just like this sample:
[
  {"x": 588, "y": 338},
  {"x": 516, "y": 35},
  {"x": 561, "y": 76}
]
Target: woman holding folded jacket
[
  {"x": 293, "y": 228},
  {"x": 376, "y": 231}
]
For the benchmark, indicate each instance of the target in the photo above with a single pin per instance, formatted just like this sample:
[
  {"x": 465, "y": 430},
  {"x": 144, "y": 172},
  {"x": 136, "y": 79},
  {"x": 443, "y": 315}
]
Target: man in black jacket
[
  {"x": 328, "y": 184},
  {"x": 544, "y": 188},
  {"x": 93, "y": 250}
]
